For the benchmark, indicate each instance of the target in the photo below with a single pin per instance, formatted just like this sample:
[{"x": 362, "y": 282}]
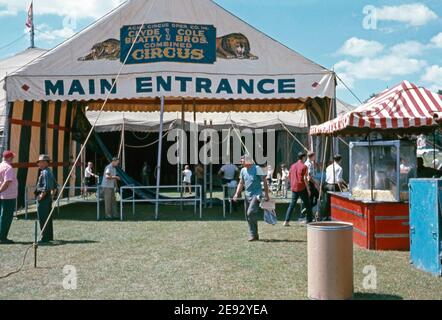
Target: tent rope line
[
  {"x": 21, "y": 266},
  {"x": 141, "y": 139},
  {"x": 149, "y": 144},
  {"x": 39, "y": 237},
  {"x": 321, "y": 192},
  {"x": 348, "y": 88},
  {"x": 293, "y": 136}
]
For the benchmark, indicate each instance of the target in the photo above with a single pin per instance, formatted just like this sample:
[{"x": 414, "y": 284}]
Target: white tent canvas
[
  {"x": 172, "y": 48},
  {"x": 296, "y": 121},
  {"x": 149, "y": 121},
  {"x": 10, "y": 65}
]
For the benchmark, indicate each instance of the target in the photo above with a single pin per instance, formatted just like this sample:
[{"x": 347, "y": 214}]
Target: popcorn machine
[
  {"x": 377, "y": 204},
  {"x": 380, "y": 170}
]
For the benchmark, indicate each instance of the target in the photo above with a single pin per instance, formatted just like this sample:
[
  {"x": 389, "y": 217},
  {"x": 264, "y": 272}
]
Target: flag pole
[
  {"x": 30, "y": 24},
  {"x": 32, "y": 36}
]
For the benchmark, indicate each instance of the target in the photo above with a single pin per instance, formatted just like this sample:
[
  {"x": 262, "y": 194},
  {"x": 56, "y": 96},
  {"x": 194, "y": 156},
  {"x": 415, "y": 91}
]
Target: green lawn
[{"x": 181, "y": 257}]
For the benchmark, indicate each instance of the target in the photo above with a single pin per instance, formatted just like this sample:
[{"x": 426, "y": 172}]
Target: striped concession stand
[
  {"x": 401, "y": 109},
  {"x": 42, "y": 128}
]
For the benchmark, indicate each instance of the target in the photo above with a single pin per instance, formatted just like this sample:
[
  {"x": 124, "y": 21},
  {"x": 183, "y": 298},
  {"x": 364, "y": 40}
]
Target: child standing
[{"x": 187, "y": 179}]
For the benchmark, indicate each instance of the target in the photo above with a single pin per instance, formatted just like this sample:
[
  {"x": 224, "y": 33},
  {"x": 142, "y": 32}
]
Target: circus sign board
[{"x": 168, "y": 42}]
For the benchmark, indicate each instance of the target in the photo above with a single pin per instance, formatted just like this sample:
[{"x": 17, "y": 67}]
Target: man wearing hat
[
  {"x": 8, "y": 196},
  {"x": 251, "y": 177},
  {"x": 109, "y": 184},
  {"x": 46, "y": 185}
]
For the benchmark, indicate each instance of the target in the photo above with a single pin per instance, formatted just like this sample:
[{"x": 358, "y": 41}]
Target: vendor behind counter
[{"x": 426, "y": 172}]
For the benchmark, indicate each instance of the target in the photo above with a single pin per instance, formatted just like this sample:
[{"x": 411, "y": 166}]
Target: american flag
[{"x": 30, "y": 19}]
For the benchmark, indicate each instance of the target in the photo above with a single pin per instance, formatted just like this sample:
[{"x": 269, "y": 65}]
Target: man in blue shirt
[{"x": 251, "y": 177}]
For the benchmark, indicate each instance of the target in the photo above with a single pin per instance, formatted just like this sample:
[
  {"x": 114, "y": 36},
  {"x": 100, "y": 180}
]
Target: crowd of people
[{"x": 304, "y": 179}]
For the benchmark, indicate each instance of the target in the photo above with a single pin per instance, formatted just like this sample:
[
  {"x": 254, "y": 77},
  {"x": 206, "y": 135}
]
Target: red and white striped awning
[{"x": 405, "y": 106}]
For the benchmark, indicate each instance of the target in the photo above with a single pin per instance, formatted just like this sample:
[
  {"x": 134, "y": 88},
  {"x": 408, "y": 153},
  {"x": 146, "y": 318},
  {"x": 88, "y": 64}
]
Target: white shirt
[
  {"x": 229, "y": 171},
  {"x": 330, "y": 177},
  {"x": 109, "y": 171},
  {"x": 285, "y": 174},
  {"x": 187, "y": 176},
  {"x": 88, "y": 173},
  {"x": 310, "y": 168},
  {"x": 270, "y": 172}
]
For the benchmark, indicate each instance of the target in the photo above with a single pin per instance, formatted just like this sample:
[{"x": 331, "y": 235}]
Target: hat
[
  {"x": 247, "y": 158},
  {"x": 44, "y": 157},
  {"x": 310, "y": 154},
  {"x": 337, "y": 157},
  {"x": 8, "y": 154},
  {"x": 115, "y": 159},
  {"x": 301, "y": 155}
]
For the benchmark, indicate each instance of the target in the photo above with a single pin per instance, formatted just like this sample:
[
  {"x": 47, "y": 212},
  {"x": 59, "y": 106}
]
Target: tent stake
[{"x": 35, "y": 243}]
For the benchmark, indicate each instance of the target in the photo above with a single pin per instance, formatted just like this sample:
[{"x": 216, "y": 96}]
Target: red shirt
[{"x": 296, "y": 174}]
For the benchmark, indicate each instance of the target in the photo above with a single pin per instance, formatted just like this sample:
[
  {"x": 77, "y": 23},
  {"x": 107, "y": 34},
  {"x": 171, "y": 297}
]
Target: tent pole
[
  {"x": 82, "y": 174},
  {"x": 182, "y": 151},
  {"x": 434, "y": 149},
  {"x": 370, "y": 161},
  {"x": 124, "y": 144},
  {"x": 205, "y": 173},
  {"x": 160, "y": 146},
  {"x": 211, "y": 168},
  {"x": 178, "y": 173}
]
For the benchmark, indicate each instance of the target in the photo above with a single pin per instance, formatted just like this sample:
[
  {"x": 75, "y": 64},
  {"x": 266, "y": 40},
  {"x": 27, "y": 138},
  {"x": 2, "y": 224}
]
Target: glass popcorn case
[{"x": 380, "y": 170}]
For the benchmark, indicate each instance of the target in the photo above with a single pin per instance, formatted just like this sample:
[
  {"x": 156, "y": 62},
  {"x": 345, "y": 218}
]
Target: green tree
[{"x": 370, "y": 97}]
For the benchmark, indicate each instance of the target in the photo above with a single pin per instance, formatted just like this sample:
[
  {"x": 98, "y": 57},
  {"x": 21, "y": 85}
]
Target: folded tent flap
[{"x": 200, "y": 105}]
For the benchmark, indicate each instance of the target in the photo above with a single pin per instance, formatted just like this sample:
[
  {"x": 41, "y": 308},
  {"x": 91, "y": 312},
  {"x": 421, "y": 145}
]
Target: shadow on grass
[
  {"x": 375, "y": 296},
  {"x": 88, "y": 212},
  {"x": 282, "y": 241},
  {"x": 57, "y": 243}
]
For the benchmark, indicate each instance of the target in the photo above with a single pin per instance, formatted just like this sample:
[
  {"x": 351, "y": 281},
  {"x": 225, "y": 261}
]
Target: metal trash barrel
[{"x": 330, "y": 260}]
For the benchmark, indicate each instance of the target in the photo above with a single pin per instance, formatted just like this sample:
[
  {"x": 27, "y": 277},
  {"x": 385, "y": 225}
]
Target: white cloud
[
  {"x": 361, "y": 48},
  {"x": 415, "y": 14},
  {"x": 433, "y": 77},
  {"x": 370, "y": 60},
  {"x": 73, "y": 8},
  {"x": 437, "y": 40},
  {"x": 382, "y": 68},
  {"x": 408, "y": 49},
  {"x": 46, "y": 33}
]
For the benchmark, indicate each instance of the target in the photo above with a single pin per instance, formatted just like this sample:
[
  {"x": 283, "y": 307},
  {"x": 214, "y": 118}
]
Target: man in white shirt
[
  {"x": 90, "y": 178},
  {"x": 333, "y": 174},
  {"x": 109, "y": 184},
  {"x": 187, "y": 179},
  {"x": 334, "y": 183}
]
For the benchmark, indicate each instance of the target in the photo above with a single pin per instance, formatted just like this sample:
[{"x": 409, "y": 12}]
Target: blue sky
[{"x": 370, "y": 44}]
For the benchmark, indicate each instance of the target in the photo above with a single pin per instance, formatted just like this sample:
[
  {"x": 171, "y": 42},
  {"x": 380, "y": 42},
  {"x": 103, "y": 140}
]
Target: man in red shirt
[{"x": 298, "y": 176}]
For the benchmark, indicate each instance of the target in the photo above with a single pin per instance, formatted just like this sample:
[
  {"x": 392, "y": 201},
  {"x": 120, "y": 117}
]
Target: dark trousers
[
  {"x": 200, "y": 182},
  {"x": 326, "y": 208},
  {"x": 303, "y": 195},
  {"x": 314, "y": 194},
  {"x": 145, "y": 181},
  {"x": 43, "y": 209},
  {"x": 7, "y": 208}
]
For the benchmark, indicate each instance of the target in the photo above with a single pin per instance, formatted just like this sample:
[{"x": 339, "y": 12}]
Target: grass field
[{"x": 181, "y": 257}]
